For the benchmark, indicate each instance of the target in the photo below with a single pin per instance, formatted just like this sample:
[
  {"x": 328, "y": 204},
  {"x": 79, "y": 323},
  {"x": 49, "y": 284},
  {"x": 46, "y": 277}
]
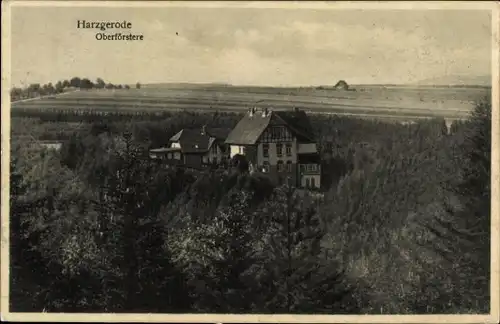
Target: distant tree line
[{"x": 37, "y": 90}]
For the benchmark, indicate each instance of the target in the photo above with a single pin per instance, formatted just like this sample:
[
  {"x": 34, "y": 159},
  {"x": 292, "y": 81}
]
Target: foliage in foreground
[{"x": 404, "y": 227}]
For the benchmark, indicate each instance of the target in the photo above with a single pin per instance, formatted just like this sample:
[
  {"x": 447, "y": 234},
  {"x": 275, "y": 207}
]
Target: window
[
  {"x": 302, "y": 168},
  {"x": 313, "y": 184},
  {"x": 281, "y": 166},
  {"x": 169, "y": 156},
  {"x": 276, "y": 133},
  {"x": 288, "y": 166},
  {"x": 265, "y": 150},
  {"x": 243, "y": 150},
  {"x": 308, "y": 182},
  {"x": 279, "y": 149},
  {"x": 265, "y": 167},
  {"x": 311, "y": 167},
  {"x": 288, "y": 149}
]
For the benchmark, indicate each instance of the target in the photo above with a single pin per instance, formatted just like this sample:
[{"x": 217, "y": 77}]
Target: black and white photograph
[{"x": 211, "y": 159}]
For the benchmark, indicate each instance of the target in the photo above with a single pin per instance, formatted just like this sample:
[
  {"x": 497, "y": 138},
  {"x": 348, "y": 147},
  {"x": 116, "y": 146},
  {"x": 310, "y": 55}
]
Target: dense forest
[{"x": 402, "y": 226}]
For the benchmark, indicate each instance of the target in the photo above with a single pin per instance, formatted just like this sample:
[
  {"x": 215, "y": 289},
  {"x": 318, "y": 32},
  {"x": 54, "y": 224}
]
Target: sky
[{"x": 251, "y": 46}]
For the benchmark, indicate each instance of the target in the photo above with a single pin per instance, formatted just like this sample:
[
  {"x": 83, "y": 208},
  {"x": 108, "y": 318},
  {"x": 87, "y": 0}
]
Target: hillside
[{"x": 458, "y": 80}]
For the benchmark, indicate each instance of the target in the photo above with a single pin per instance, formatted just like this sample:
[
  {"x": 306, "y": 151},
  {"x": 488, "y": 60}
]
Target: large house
[
  {"x": 279, "y": 143},
  {"x": 193, "y": 148}
]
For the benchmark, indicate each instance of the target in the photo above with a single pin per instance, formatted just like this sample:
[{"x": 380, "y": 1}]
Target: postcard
[{"x": 244, "y": 162}]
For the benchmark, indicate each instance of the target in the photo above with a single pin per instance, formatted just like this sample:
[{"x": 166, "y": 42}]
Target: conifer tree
[
  {"x": 293, "y": 277},
  {"x": 217, "y": 258},
  {"x": 462, "y": 235},
  {"x": 135, "y": 192}
]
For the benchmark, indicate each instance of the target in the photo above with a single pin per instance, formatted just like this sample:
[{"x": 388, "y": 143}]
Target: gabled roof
[
  {"x": 298, "y": 122},
  {"x": 176, "y": 137},
  {"x": 194, "y": 141},
  {"x": 251, "y": 127},
  {"x": 191, "y": 141},
  {"x": 219, "y": 133},
  {"x": 165, "y": 150}
]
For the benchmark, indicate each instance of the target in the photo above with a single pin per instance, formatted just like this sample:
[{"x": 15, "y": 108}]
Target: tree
[
  {"x": 75, "y": 82},
  {"x": 59, "y": 87},
  {"x": 293, "y": 274},
  {"x": 86, "y": 84},
  {"x": 240, "y": 162},
  {"x": 132, "y": 194},
  {"x": 47, "y": 240},
  {"x": 34, "y": 90},
  {"x": 462, "y": 234},
  {"x": 16, "y": 93},
  {"x": 137, "y": 85},
  {"x": 218, "y": 257},
  {"x": 100, "y": 84},
  {"x": 50, "y": 89},
  {"x": 66, "y": 84}
]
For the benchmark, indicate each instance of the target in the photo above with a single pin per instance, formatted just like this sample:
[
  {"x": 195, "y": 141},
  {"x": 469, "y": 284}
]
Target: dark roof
[
  {"x": 165, "y": 149},
  {"x": 249, "y": 129},
  {"x": 192, "y": 141},
  {"x": 219, "y": 133},
  {"x": 298, "y": 122}
]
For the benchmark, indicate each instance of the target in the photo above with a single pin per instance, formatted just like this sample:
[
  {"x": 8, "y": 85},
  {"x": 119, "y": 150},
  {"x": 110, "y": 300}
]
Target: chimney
[
  {"x": 251, "y": 111},
  {"x": 265, "y": 112},
  {"x": 204, "y": 130}
]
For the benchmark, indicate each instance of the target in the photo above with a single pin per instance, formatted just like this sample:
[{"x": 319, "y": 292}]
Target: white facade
[
  {"x": 307, "y": 148},
  {"x": 310, "y": 181},
  {"x": 236, "y": 149},
  {"x": 288, "y": 154}
]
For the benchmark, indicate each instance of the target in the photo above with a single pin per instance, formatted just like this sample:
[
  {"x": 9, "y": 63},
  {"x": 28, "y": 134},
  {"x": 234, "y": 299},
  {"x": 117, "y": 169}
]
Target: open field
[{"x": 364, "y": 101}]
